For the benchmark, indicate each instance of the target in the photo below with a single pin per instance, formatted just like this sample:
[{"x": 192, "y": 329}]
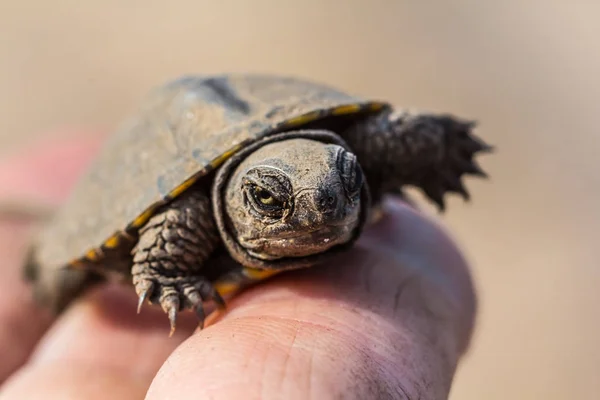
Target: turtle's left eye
[
  {"x": 265, "y": 197},
  {"x": 265, "y": 202},
  {"x": 268, "y": 192}
]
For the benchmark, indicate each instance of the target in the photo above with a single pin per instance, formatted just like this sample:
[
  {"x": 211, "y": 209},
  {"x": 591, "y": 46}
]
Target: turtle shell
[{"x": 182, "y": 131}]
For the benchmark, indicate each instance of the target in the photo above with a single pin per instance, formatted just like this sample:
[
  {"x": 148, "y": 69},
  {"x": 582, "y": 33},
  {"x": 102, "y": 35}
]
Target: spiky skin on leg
[
  {"x": 169, "y": 257},
  {"x": 428, "y": 151}
]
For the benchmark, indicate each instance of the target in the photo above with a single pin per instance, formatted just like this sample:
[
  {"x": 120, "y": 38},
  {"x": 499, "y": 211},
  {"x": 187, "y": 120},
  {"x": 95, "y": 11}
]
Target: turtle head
[{"x": 292, "y": 199}]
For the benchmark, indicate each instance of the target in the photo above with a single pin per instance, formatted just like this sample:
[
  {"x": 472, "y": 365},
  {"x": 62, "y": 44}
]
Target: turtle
[{"x": 218, "y": 182}]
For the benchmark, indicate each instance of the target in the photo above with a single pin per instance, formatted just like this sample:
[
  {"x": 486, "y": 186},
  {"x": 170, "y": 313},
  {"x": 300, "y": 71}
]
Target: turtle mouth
[
  {"x": 316, "y": 233},
  {"x": 298, "y": 244}
]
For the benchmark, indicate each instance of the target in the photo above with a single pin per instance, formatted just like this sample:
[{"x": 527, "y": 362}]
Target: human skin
[{"x": 389, "y": 319}]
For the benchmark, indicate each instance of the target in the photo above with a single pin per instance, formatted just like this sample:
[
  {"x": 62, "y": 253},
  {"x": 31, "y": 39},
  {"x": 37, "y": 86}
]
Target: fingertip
[
  {"x": 268, "y": 357},
  {"x": 422, "y": 241}
]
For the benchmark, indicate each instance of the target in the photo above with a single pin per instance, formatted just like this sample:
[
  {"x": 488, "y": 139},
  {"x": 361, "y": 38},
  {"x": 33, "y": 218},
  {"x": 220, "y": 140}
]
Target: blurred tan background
[{"x": 527, "y": 70}]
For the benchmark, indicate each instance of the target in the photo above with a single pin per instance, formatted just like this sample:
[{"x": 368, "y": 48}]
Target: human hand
[{"x": 389, "y": 319}]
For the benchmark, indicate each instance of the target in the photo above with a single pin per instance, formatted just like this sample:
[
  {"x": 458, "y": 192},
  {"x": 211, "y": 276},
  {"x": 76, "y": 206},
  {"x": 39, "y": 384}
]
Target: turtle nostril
[{"x": 326, "y": 201}]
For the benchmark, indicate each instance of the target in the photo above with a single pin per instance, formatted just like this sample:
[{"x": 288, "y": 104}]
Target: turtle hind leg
[
  {"x": 457, "y": 159},
  {"x": 169, "y": 256},
  {"x": 431, "y": 152},
  {"x": 57, "y": 289},
  {"x": 73, "y": 284}
]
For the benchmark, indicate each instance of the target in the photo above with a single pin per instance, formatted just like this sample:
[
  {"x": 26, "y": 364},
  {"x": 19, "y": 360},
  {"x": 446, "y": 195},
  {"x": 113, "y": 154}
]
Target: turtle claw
[
  {"x": 141, "y": 301},
  {"x": 199, "y": 310},
  {"x": 145, "y": 289},
  {"x": 195, "y": 302},
  {"x": 177, "y": 293},
  {"x": 170, "y": 305}
]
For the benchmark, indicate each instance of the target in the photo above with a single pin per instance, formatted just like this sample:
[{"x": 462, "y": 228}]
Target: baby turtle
[{"x": 218, "y": 182}]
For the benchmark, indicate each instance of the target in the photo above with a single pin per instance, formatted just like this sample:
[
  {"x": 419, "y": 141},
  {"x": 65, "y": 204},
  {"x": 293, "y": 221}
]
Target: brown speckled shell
[{"x": 182, "y": 131}]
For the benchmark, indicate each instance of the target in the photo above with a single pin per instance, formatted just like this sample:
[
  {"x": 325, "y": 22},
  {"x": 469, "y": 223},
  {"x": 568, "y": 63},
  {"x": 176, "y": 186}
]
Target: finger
[
  {"x": 389, "y": 319},
  {"x": 100, "y": 348},
  {"x": 43, "y": 173}
]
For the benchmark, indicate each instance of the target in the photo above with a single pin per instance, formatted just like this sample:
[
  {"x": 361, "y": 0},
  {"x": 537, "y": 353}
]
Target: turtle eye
[
  {"x": 266, "y": 202},
  {"x": 267, "y": 192},
  {"x": 265, "y": 197}
]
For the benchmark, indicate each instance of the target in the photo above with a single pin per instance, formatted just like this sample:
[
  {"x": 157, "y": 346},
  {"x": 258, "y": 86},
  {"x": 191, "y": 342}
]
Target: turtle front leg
[
  {"x": 429, "y": 151},
  {"x": 168, "y": 258}
]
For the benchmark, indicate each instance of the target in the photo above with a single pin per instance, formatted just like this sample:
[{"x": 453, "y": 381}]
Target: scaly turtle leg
[{"x": 170, "y": 254}]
